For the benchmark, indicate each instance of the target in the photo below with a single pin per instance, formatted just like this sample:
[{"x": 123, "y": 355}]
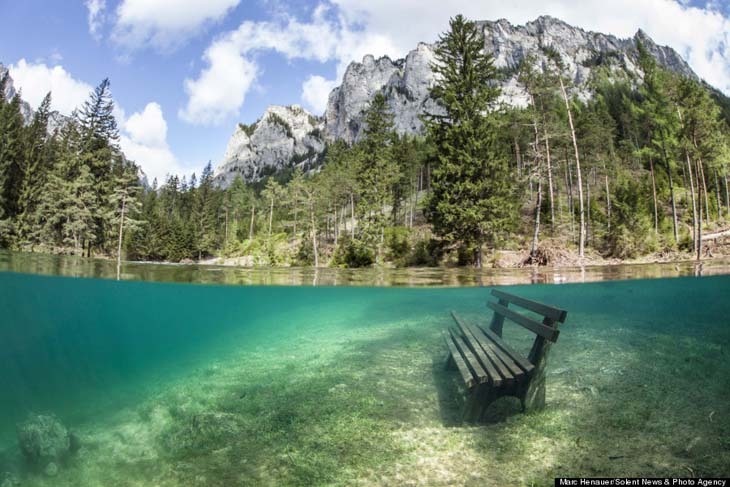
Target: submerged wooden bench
[{"x": 490, "y": 368}]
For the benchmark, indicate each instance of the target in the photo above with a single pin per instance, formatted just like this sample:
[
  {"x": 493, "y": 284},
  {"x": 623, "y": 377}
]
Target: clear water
[
  {"x": 61, "y": 265},
  {"x": 302, "y": 385}
]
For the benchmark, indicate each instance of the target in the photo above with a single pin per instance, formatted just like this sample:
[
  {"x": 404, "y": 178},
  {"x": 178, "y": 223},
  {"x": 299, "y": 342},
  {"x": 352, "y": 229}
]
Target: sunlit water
[{"x": 88, "y": 350}]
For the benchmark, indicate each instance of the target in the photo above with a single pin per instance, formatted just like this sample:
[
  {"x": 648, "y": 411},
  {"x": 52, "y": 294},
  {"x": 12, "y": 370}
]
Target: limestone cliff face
[
  {"x": 406, "y": 83},
  {"x": 55, "y": 120},
  {"x": 285, "y": 136},
  {"x": 10, "y": 93}
]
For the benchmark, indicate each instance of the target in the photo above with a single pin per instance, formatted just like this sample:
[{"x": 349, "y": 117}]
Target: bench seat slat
[
  {"x": 495, "y": 376},
  {"x": 496, "y": 362},
  {"x": 506, "y": 362},
  {"x": 471, "y": 361},
  {"x": 514, "y": 355},
  {"x": 532, "y": 325},
  {"x": 466, "y": 374},
  {"x": 550, "y": 312}
]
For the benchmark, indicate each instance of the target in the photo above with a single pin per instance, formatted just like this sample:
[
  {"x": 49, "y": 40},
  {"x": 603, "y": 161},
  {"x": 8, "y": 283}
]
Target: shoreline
[{"x": 217, "y": 274}]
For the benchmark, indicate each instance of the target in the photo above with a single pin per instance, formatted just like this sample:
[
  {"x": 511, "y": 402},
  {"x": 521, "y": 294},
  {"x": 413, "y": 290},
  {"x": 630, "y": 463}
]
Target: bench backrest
[{"x": 547, "y": 329}]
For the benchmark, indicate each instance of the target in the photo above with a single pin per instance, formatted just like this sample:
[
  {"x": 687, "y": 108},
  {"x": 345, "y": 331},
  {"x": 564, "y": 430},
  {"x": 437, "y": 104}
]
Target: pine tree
[
  {"x": 99, "y": 151},
  {"x": 11, "y": 153},
  {"x": 204, "y": 214},
  {"x": 660, "y": 118},
  {"x": 378, "y": 172},
  {"x": 68, "y": 201},
  {"x": 35, "y": 164},
  {"x": 471, "y": 197}
]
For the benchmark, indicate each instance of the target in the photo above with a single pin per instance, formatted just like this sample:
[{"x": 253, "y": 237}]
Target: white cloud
[
  {"x": 345, "y": 30},
  {"x": 703, "y": 34},
  {"x": 221, "y": 89},
  {"x": 37, "y": 79},
  {"x": 316, "y": 91},
  {"x": 144, "y": 140},
  {"x": 95, "y": 16},
  {"x": 143, "y": 135},
  {"x": 148, "y": 127},
  {"x": 165, "y": 24}
]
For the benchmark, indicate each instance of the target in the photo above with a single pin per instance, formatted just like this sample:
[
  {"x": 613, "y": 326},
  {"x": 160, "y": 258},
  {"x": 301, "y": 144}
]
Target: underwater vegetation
[{"x": 140, "y": 384}]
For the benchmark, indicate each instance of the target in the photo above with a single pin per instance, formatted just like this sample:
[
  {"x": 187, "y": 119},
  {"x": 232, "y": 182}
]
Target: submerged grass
[{"x": 629, "y": 394}]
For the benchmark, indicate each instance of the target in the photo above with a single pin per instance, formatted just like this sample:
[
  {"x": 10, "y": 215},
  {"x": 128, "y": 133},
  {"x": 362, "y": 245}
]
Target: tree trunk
[
  {"x": 560, "y": 205},
  {"x": 671, "y": 189},
  {"x": 225, "y": 232},
  {"x": 699, "y": 220},
  {"x": 352, "y": 215},
  {"x": 538, "y": 204},
  {"x": 271, "y": 216},
  {"x": 337, "y": 225},
  {"x": 314, "y": 235},
  {"x": 296, "y": 216},
  {"x": 717, "y": 196},
  {"x": 478, "y": 251},
  {"x": 582, "y": 241},
  {"x": 589, "y": 229},
  {"x": 686, "y": 187},
  {"x": 701, "y": 175},
  {"x": 414, "y": 202},
  {"x": 121, "y": 236},
  {"x": 571, "y": 207},
  {"x": 653, "y": 190},
  {"x": 250, "y": 228},
  {"x": 550, "y": 178},
  {"x": 518, "y": 157},
  {"x": 608, "y": 202},
  {"x": 694, "y": 202},
  {"x": 727, "y": 194}
]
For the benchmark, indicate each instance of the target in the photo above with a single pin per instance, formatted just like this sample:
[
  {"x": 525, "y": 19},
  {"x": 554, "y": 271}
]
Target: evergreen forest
[{"x": 638, "y": 168}]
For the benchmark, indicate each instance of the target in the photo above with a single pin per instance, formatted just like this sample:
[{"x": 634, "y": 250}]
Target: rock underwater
[{"x": 44, "y": 442}]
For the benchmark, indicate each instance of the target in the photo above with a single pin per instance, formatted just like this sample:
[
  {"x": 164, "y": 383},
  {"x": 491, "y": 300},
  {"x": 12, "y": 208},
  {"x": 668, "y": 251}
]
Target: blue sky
[{"x": 184, "y": 72}]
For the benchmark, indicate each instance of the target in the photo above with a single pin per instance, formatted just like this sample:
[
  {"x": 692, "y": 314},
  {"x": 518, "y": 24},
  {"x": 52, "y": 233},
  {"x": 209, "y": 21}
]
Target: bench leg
[
  {"x": 491, "y": 396},
  {"x": 533, "y": 394},
  {"x": 474, "y": 404}
]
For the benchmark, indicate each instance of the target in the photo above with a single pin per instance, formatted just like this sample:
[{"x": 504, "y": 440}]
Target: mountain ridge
[{"x": 406, "y": 81}]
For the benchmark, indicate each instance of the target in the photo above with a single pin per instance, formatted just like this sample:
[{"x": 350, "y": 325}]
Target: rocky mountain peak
[
  {"x": 56, "y": 121},
  {"x": 406, "y": 84},
  {"x": 284, "y": 136}
]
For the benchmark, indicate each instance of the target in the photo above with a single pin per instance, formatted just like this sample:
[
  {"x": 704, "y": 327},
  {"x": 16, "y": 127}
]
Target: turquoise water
[{"x": 641, "y": 369}]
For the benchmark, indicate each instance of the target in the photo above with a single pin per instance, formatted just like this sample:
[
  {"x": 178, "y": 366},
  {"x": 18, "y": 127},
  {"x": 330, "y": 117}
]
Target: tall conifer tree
[{"x": 471, "y": 198}]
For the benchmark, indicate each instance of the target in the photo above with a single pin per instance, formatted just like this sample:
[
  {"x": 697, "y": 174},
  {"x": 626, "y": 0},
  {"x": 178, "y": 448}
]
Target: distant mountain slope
[
  {"x": 55, "y": 121},
  {"x": 282, "y": 137},
  {"x": 406, "y": 82}
]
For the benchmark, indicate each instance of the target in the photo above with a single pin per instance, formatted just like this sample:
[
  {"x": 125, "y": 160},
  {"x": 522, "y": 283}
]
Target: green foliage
[
  {"x": 377, "y": 173},
  {"x": 398, "y": 244},
  {"x": 552, "y": 54},
  {"x": 426, "y": 253},
  {"x": 277, "y": 120},
  {"x": 471, "y": 182},
  {"x": 248, "y": 129},
  {"x": 631, "y": 234},
  {"x": 353, "y": 254},
  {"x": 602, "y": 58},
  {"x": 472, "y": 196}
]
